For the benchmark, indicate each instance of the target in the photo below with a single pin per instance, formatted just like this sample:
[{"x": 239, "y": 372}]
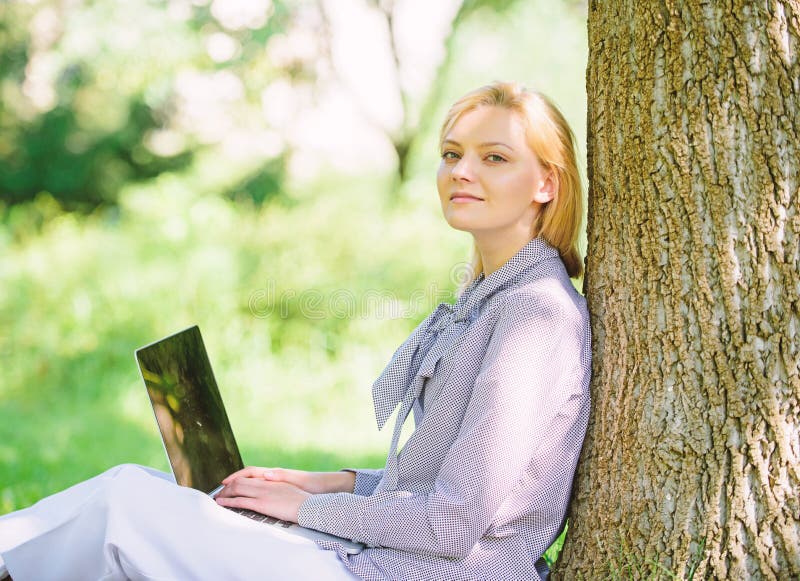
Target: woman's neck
[{"x": 496, "y": 251}]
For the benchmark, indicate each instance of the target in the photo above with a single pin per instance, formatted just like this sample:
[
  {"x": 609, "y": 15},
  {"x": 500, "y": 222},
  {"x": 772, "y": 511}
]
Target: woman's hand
[
  {"x": 311, "y": 482},
  {"x": 279, "y": 492},
  {"x": 277, "y": 499}
]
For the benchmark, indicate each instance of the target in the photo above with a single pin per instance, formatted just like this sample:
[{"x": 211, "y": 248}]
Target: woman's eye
[
  {"x": 494, "y": 157},
  {"x": 449, "y": 155}
]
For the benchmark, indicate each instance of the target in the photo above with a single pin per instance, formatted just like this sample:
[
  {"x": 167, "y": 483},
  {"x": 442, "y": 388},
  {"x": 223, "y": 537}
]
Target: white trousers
[{"x": 133, "y": 522}]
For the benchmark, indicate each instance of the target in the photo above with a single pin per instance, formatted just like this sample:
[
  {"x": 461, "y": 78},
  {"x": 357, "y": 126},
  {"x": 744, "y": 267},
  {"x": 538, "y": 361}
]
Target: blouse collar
[{"x": 483, "y": 287}]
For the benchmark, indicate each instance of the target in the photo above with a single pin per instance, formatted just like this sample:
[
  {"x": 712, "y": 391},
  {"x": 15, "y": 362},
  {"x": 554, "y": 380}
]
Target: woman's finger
[
  {"x": 248, "y": 472},
  {"x": 299, "y": 478},
  {"x": 242, "y": 486},
  {"x": 277, "y": 474},
  {"x": 241, "y": 502}
]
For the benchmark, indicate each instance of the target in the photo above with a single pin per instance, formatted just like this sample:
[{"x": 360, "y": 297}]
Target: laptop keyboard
[{"x": 258, "y": 517}]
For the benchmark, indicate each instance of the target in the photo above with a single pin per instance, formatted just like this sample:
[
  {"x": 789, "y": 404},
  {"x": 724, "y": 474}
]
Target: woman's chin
[
  {"x": 460, "y": 222},
  {"x": 462, "y": 227}
]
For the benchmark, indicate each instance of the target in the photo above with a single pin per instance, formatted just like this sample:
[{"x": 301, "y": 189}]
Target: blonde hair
[{"x": 551, "y": 139}]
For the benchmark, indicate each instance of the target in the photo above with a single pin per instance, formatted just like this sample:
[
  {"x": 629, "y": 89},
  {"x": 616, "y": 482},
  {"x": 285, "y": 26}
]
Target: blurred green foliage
[
  {"x": 87, "y": 87},
  {"x": 46, "y": 157}
]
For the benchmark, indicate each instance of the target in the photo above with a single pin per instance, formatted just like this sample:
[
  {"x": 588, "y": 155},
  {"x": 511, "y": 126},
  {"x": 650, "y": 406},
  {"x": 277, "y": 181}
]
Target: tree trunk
[{"x": 692, "y": 457}]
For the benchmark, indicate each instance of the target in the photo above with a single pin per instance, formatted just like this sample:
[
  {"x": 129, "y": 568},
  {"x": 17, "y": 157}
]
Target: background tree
[
  {"x": 692, "y": 459},
  {"x": 419, "y": 107}
]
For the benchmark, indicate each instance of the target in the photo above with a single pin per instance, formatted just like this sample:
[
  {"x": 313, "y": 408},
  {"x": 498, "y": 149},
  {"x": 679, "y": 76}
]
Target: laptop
[{"x": 194, "y": 425}]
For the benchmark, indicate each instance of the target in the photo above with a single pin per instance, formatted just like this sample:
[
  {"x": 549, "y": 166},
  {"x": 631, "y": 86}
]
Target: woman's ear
[{"x": 546, "y": 189}]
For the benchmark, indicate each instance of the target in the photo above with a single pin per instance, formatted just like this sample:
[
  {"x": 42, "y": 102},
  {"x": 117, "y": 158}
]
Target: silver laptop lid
[{"x": 189, "y": 411}]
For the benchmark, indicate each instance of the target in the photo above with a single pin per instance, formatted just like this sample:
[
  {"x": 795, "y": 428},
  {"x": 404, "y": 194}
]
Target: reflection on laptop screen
[{"x": 189, "y": 411}]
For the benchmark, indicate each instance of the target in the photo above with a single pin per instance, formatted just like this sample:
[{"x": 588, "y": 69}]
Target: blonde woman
[{"x": 497, "y": 384}]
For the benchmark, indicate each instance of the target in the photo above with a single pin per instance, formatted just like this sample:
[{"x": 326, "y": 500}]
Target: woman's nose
[{"x": 462, "y": 170}]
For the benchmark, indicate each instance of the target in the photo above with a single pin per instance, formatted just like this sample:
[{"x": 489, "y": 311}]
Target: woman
[{"x": 498, "y": 385}]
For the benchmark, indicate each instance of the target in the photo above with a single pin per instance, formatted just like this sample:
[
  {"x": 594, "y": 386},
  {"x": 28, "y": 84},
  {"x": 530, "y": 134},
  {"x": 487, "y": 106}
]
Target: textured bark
[{"x": 692, "y": 282}]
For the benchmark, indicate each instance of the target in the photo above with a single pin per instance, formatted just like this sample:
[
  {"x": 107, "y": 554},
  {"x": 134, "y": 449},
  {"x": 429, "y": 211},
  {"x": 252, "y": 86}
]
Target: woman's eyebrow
[{"x": 484, "y": 144}]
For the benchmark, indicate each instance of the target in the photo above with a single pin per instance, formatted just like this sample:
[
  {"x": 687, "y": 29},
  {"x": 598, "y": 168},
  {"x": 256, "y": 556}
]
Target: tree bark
[{"x": 692, "y": 457}]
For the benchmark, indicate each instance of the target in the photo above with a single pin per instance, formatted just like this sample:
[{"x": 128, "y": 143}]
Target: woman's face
[{"x": 490, "y": 182}]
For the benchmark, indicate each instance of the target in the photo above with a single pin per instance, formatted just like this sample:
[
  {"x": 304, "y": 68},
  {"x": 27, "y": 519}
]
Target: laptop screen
[{"x": 189, "y": 411}]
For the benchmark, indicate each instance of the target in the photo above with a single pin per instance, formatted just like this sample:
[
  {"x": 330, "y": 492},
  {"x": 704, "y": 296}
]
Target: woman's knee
[{"x": 134, "y": 468}]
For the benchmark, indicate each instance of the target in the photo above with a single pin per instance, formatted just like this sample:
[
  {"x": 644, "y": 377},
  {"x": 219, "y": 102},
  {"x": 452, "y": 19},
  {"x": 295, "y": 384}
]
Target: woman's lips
[{"x": 463, "y": 197}]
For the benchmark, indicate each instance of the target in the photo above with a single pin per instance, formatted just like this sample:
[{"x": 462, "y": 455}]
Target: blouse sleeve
[
  {"x": 366, "y": 480},
  {"x": 528, "y": 405}
]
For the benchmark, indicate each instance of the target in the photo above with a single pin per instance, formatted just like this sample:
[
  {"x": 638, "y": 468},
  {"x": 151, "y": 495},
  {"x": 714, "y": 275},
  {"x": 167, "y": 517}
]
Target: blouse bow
[{"x": 397, "y": 378}]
